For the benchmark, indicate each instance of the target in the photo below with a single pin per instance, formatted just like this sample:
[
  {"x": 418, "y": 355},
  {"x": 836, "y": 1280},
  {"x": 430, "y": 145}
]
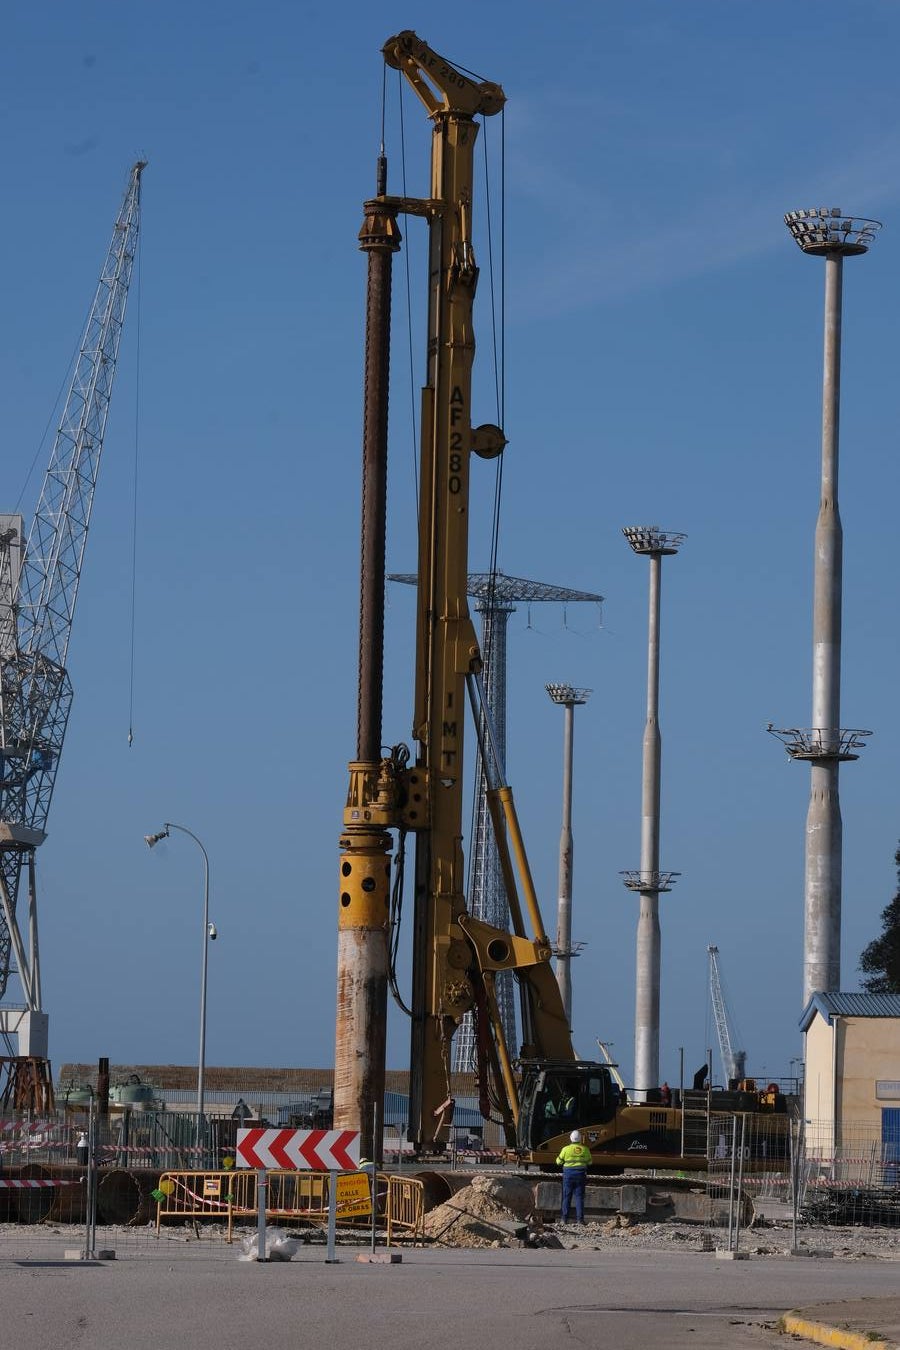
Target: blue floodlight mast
[{"x": 38, "y": 590}]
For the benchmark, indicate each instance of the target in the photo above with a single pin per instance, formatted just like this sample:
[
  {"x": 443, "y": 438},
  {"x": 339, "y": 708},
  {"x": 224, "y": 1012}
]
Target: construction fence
[
  {"x": 295, "y": 1196},
  {"x": 823, "y": 1173},
  {"x": 130, "y": 1139},
  {"x": 180, "y": 1139},
  {"x": 840, "y": 1175}
]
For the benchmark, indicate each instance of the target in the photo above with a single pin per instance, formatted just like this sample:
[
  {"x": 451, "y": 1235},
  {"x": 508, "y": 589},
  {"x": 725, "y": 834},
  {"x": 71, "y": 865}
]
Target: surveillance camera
[{"x": 213, "y": 932}]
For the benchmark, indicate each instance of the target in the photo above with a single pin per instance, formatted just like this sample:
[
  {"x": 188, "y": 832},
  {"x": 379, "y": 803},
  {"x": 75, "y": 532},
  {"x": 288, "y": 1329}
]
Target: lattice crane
[
  {"x": 733, "y": 1061},
  {"x": 38, "y": 590}
]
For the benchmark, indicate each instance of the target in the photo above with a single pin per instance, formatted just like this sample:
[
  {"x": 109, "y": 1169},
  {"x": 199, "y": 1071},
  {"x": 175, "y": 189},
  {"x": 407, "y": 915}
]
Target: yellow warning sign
[
  {"x": 212, "y": 1187},
  {"x": 353, "y": 1194}
]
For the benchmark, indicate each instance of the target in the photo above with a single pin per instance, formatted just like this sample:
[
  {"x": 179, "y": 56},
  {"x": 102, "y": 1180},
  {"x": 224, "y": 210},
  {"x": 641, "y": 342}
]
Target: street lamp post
[
  {"x": 569, "y": 698},
  {"x": 209, "y": 932}
]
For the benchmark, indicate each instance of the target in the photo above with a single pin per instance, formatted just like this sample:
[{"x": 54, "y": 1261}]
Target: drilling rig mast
[
  {"x": 38, "y": 590},
  {"x": 538, "y": 1090}
]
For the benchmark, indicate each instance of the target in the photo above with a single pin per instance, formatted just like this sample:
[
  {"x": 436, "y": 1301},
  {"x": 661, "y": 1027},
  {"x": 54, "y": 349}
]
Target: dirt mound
[{"x": 489, "y": 1212}]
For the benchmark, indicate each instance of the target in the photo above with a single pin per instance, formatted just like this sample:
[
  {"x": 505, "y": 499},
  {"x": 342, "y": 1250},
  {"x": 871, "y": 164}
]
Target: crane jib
[{"x": 37, "y": 610}]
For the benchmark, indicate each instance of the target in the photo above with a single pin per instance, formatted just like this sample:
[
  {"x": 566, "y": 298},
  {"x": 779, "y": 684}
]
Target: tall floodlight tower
[
  {"x": 496, "y": 595},
  {"x": 826, "y": 233},
  {"x": 651, "y": 542},
  {"x": 568, "y": 698}
]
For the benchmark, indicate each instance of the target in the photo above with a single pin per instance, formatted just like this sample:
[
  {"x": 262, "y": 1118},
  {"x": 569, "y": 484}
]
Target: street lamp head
[
  {"x": 152, "y": 840},
  {"x": 213, "y": 932},
  {"x": 825, "y": 229},
  {"x": 650, "y": 539},
  {"x": 567, "y": 694}
]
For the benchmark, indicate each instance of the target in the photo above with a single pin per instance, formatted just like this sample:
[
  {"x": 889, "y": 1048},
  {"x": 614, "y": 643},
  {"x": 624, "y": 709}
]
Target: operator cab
[{"x": 558, "y": 1098}]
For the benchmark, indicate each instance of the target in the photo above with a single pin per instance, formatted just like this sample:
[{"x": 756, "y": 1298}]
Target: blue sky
[{"x": 663, "y": 364}]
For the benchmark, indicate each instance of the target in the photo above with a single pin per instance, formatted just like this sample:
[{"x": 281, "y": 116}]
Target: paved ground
[
  {"x": 853, "y": 1324},
  {"x": 177, "y": 1291}
]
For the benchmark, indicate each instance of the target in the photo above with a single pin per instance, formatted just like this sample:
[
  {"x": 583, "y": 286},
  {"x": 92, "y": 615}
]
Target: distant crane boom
[
  {"x": 733, "y": 1061},
  {"x": 613, "y": 1066},
  {"x": 38, "y": 590}
]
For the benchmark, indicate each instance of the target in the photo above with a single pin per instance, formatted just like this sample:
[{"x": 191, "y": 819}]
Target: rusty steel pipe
[
  {"x": 364, "y": 905},
  {"x": 379, "y": 239}
]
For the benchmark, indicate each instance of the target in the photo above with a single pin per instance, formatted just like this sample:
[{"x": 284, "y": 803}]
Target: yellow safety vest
[{"x": 575, "y": 1155}]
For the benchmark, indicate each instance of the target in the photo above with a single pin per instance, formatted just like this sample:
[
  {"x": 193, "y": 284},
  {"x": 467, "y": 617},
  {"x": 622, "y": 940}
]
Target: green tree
[{"x": 880, "y": 961}]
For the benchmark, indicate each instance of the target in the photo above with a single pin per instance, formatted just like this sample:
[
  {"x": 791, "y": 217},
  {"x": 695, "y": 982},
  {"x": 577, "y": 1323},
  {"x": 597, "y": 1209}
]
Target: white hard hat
[{"x": 575, "y": 1136}]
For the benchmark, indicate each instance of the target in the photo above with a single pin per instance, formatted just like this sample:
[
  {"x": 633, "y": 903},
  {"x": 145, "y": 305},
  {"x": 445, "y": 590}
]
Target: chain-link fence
[
  {"x": 836, "y": 1176},
  {"x": 851, "y": 1176},
  {"x": 813, "y": 1172}
]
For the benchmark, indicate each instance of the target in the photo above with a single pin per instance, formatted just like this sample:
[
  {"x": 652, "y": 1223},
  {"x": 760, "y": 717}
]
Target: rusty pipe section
[
  {"x": 379, "y": 238},
  {"x": 365, "y": 861}
]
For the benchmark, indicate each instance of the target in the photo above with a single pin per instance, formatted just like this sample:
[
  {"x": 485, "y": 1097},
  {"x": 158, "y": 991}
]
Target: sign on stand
[
  {"x": 331, "y": 1151},
  {"x": 354, "y": 1195},
  {"x": 318, "y": 1150}
]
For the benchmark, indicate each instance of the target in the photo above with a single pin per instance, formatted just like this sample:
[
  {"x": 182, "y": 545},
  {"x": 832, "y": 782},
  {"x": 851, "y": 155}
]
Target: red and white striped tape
[
  {"x": 33, "y": 1185},
  {"x": 29, "y": 1127},
  {"x": 148, "y": 1152}
]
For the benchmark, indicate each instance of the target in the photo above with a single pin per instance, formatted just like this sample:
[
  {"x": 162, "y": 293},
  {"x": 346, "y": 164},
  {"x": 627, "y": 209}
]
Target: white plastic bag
[{"x": 279, "y": 1247}]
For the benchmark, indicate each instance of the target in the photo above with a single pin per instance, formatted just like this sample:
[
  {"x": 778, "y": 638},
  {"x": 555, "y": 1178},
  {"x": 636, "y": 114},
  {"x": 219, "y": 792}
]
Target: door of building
[{"x": 890, "y": 1144}]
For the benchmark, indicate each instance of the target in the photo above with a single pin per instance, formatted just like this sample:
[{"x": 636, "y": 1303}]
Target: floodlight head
[
  {"x": 825, "y": 229},
  {"x": 567, "y": 694},
  {"x": 650, "y": 539},
  {"x": 152, "y": 840}
]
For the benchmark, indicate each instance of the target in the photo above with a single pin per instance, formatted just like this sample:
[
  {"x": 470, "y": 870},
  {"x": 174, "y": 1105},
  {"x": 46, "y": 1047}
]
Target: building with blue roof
[{"x": 851, "y": 1101}]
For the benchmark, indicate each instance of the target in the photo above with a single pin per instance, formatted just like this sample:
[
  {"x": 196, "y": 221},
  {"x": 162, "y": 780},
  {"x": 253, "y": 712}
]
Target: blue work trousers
[{"x": 573, "y": 1179}]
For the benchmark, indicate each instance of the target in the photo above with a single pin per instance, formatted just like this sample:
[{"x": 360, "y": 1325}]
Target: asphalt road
[{"x": 175, "y": 1293}]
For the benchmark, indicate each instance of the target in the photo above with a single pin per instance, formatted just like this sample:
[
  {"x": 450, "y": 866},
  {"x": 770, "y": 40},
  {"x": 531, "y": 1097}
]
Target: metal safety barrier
[
  {"x": 290, "y": 1195},
  {"x": 405, "y": 1207}
]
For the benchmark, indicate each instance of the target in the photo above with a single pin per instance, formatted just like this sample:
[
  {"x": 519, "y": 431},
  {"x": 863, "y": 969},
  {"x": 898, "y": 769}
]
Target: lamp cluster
[
  {"x": 651, "y": 539},
  {"x": 825, "y": 229},
  {"x": 567, "y": 694}
]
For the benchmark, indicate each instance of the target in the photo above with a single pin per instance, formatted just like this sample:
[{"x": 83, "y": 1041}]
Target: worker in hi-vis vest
[{"x": 575, "y": 1159}]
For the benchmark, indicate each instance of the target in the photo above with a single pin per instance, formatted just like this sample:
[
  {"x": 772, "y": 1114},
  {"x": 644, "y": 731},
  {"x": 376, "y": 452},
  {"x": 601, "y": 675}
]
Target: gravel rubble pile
[
  {"x": 880, "y": 1244},
  {"x": 477, "y": 1217},
  {"x": 498, "y": 1212},
  {"x": 489, "y": 1212}
]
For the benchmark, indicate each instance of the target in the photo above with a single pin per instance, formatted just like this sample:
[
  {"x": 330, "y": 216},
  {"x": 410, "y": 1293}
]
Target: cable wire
[
  {"x": 64, "y": 384},
  {"x": 134, "y": 495},
  {"x": 394, "y": 924}
]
